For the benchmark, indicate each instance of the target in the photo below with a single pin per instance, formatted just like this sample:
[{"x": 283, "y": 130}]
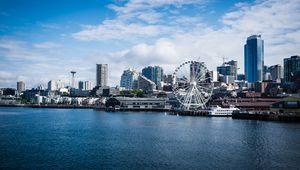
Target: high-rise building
[
  {"x": 291, "y": 68},
  {"x": 254, "y": 58},
  {"x": 85, "y": 85},
  {"x": 234, "y": 68},
  {"x": 228, "y": 69},
  {"x": 88, "y": 85},
  {"x": 101, "y": 75},
  {"x": 20, "y": 86},
  {"x": 55, "y": 85},
  {"x": 276, "y": 72},
  {"x": 81, "y": 85},
  {"x": 155, "y": 73},
  {"x": 197, "y": 70},
  {"x": 168, "y": 79},
  {"x": 214, "y": 76},
  {"x": 128, "y": 79},
  {"x": 266, "y": 73}
]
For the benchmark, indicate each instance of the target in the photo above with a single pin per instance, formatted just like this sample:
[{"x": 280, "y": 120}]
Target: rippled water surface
[{"x": 88, "y": 139}]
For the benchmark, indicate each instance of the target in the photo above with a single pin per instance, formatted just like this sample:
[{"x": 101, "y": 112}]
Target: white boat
[{"x": 219, "y": 111}]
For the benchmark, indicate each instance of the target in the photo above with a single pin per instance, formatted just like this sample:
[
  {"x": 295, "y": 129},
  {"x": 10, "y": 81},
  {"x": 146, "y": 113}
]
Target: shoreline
[
  {"x": 47, "y": 106},
  {"x": 256, "y": 115}
]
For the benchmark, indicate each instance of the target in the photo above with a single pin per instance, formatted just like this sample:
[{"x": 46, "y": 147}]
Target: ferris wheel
[{"x": 192, "y": 85}]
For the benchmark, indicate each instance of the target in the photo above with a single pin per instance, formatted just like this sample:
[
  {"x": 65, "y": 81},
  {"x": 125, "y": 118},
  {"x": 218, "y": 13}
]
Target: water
[{"x": 89, "y": 139}]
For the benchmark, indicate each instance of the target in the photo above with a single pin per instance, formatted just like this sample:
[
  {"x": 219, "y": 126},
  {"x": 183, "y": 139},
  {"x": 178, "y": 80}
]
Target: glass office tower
[
  {"x": 254, "y": 58},
  {"x": 155, "y": 73}
]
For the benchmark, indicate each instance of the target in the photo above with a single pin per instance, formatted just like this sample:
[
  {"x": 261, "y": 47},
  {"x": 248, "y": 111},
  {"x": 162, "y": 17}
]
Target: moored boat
[{"x": 219, "y": 111}]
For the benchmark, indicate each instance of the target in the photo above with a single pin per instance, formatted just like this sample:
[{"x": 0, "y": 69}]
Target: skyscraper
[
  {"x": 20, "y": 86},
  {"x": 291, "y": 68},
  {"x": 88, "y": 85},
  {"x": 234, "y": 68},
  {"x": 254, "y": 58},
  {"x": 228, "y": 69},
  {"x": 101, "y": 75},
  {"x": 276, "y": 72},
  {"x": 85, "y": 85},
  {"x": 155, "y": 73},
  {"x": 55, "y": 85},
  {"x": 128, "y": 79},
  {"x": 81, "y": 85}
]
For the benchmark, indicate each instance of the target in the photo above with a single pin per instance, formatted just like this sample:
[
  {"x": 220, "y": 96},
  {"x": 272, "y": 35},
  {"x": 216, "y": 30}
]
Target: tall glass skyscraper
[
  {"x": 254, "y": 58},
  {"x": 155, "y": 73}
]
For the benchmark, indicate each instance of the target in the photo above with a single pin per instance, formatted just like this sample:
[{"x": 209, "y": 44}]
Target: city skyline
[{"x": 129, "y": 34}]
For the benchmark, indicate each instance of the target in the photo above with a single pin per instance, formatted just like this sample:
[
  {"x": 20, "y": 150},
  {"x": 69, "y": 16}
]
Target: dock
[
  {"x": 267, "y": 116},
  {"x": 189, "y": 113}
]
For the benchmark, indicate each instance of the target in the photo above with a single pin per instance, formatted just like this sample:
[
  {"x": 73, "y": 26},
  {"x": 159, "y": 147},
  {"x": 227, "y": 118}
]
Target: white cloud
[
  {"x": 19, "y": 61},
  {"x": 6, "y": 75},
  {"x": 116, "y": 30},
  {"x": 47, "y": 45},
  {"x": 16, "y": 50},
  {"x": 175, "y": 38},
  {"x": 272, "y": 18},
  {"x": 141, "y": 5},
  {"x": 139, "y": 19}
]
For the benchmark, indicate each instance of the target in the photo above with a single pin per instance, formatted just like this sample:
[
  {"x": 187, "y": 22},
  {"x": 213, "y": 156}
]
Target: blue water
[{"x": 88, "y": 139}]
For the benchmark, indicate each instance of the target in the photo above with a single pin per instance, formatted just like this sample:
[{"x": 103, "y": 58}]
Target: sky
[{"x": 45, "y": 40}]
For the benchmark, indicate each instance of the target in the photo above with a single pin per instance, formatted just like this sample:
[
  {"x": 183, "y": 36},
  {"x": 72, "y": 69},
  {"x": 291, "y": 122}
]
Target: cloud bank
[
  {"x": 277, "y": 21},
  {"x": 163, "y": 32}
]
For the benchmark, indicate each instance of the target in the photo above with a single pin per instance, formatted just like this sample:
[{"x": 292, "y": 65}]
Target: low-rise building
[
  {"x": 287, "y": 105},
  {"x": 145, "y": 84},
  {"x": 8, "y": 91},
  {"x": 137, "y": 103}
]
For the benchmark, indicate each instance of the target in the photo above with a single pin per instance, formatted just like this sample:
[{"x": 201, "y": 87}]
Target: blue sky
[{"x": 44, "y": 40}]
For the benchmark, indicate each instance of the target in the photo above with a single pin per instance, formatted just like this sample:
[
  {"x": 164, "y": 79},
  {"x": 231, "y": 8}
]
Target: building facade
[
  {"x": 128, "y": 79},
  {"x": 291, "y": 68},
  {"x": 241, "y": 77},
  {"x": 145, "y": 84},
  {"x": 228, "y": 69},
  {"x": 131, "y": 103},
  {"x": 88, "y": 85},
  {"x": 55, "y": 85},
  {"x": 101, "y": 74},
  {"x": 85, "y": 85},
  {"x": 20, "y": 86},
  {"x": 254, "y": 58},
  {"x": 154, "y": 74},
  {"x": 81, "y": 85},
  {"x": 276, "y": 72},
  {"x": 168, "y": 79}
]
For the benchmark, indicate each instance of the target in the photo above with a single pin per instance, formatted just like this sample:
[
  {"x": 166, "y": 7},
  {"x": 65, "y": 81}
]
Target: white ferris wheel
[{"x": 192, "y": 85}]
